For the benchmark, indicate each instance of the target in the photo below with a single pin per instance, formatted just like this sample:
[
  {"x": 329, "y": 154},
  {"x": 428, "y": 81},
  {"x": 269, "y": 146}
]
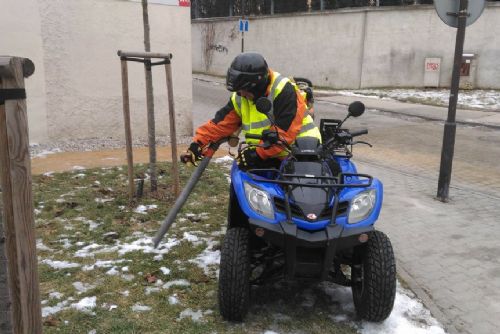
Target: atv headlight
[
  {"x": 362, "y": 205},
  {"x": 259, "y": 201}
]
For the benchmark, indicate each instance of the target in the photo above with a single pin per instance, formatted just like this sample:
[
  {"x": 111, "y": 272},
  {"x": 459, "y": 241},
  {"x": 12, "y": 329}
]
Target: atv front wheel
[
  {"x": 234, "y": 274},
  {"x": 374, "y": 278}
]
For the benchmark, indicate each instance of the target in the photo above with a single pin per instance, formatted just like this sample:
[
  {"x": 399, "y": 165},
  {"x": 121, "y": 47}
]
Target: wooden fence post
[
  {"x": 173, "y": 132},
  {"x": 146, "y": 58},
  {"x": 15, "y": 172},
  {"x": 128, "y": 131}
]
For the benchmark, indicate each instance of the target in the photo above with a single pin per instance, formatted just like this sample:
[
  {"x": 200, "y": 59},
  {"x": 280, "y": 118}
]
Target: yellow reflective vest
[{"x": 254, "y": 122}]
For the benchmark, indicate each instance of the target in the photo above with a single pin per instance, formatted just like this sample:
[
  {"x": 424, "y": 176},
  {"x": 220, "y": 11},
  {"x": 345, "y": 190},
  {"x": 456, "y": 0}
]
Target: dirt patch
[{"x": 66, "y": 161}]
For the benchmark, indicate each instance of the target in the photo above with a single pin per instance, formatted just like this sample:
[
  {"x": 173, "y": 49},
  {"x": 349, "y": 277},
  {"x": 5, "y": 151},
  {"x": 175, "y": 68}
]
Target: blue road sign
[{"x": 243, "y": 25}]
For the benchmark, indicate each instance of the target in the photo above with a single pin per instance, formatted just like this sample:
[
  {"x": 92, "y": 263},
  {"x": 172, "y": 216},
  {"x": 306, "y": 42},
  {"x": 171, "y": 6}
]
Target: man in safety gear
[{"x": 249, "y": 78}]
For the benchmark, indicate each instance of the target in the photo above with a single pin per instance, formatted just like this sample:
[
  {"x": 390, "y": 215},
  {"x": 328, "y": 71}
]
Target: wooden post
[
  {"x": 149, "y": 100},
  {"x": 19, "y": 225},
  {"x": 173, "y": 134},
  {"x": 5, "y": 303},
  {"x": 128, "y": 131}
]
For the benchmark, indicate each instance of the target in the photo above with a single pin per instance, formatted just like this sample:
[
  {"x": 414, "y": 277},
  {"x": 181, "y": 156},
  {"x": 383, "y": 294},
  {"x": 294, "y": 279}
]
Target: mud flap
[
  {"x": 290, "y": 241},
  {"x": 333, "y": 233}
]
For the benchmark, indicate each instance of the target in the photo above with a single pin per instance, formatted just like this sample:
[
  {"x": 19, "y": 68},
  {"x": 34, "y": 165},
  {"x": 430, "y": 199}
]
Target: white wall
[
  {"x": 20, "y": 35},
  {"x": 76, "y": 51},
  {"x": 356, "y": 48}
]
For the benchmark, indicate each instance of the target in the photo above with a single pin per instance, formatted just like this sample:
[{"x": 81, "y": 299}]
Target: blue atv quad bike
[{"x": 311, "y": 218}]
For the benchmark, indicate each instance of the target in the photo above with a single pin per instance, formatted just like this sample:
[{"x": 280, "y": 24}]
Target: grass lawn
[{"x": 100, "y": 274}]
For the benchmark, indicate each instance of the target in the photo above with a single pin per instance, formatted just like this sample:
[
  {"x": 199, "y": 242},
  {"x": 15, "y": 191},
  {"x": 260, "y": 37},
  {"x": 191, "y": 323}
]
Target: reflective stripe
[
  {"x": 271, "y": 95},
  {"x": 261, "y": 124},
  {"x": 238, "y": 102},
  {"x": 307, "y": 127},
  {"x": 272, "y": 92},
  {"x": 256, "y": 125}
]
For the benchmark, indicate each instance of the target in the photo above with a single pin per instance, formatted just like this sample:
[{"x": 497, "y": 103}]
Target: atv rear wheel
[
  {"x": 374, "y": 278},
  {"x": 234, "y": 274}
]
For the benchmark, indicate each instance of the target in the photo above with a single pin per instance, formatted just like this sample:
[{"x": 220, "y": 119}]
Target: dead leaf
[
  {"x": 150, "y": 278},
  {"x": 51, "y": 321}
]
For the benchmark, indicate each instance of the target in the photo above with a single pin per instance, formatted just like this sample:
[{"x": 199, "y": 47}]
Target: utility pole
[{"x": 450, "y": 125}]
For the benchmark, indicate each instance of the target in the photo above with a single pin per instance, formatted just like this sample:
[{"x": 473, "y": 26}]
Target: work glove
[
  {"x": 249, "y": 159},
  {"x": 193, "y": 154}
]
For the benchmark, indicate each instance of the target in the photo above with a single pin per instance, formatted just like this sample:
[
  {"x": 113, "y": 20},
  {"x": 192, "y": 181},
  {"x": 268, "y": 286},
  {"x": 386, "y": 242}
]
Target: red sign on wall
[
  {"x": 432, "y": 67},
  {"x": 184, "y": 3}
]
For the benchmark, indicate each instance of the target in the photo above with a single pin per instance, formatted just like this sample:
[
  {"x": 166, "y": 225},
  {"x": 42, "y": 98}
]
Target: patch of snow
[
  {"x": 142, "y": 209},
  {"x": 83, "y": 287},
  {"x": 48, "y": 174},
  {"x": 112, "y": 272},
  {"x": 86, "y": 304},
  {"x": 66, "y": 243},
  {"x": 41, "y": 246},
  {"x": 112, "y": 307},
  {"x": 49, "y": 310},
  {"x": 55, "y": 295},
  {"x": 165, "y": 270},
  {"x": 178, "y": 282},
  {"x": 140, "y": 308},
  {"x": 408, "y": 316},
  {"x": 151, "y": 289},
  {"x": 190, "y": 237},
  {"x": 208, "y": 257},
  {"x": 44, "y": 153},
  {"x": 92, "y": 332},
  {"x": 59, "y": 264},
  {"x": 92, "y": 224},
  {"x": 224, "y": 160},
  {"x": 196, "y": 316},
  {"x": 125, "y": 269},
  {"x": 84, "y": 252},
  {"x": 173, "y": 300},
  {"x": 104, "y": 264},
  {"x": 78, "y": 168},
  {"x": 104, "y": 200},
  {"x": 483, "y": 99},
  {"x": 128, "y": 278}
]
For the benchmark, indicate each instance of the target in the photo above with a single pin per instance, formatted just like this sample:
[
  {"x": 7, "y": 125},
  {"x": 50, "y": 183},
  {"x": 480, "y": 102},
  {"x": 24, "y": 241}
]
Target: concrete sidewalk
[
  {"x": 463, "y": 116},
  {"x": 447, "y": 252}
]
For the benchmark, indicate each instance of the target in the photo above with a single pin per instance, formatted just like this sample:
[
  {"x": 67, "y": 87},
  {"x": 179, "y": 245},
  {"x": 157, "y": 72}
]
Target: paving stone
[{"x": 446, "y": 247}]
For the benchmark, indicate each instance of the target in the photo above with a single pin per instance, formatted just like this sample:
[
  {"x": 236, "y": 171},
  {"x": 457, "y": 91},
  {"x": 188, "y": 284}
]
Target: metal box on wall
[
  {"x": 468, "y": 68},
  {"x": 432, "y": 70}
]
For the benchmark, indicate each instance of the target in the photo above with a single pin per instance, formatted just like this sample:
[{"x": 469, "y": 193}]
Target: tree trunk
[{"x": 149, "y": 100}]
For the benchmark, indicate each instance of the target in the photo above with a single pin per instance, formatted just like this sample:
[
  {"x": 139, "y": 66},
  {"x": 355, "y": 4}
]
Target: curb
[
  {"x": 427, "y": 118},
  {"x": 426, "y": 299}
]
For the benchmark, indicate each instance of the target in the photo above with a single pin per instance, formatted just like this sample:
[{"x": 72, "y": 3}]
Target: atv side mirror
[
  {"x": 356, "y": 109},
  {"x": 263, "y": 105}
]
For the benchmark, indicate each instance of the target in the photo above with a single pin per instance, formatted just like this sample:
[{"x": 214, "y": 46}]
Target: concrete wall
[
  {"x": 76, "y": 89},
  {"x": 18, "y": 37},
  {"x": 354, "y": 48}
]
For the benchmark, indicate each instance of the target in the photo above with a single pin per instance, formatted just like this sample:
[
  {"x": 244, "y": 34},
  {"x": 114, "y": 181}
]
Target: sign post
[
  {"x": 243, "y": 26},
  {"x": 458, "y": 14}
]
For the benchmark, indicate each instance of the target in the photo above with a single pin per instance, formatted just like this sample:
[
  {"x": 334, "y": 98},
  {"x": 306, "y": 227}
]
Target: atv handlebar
[
  {"x": 359, "y": 132},
  {"x": 252, "y": 136}
]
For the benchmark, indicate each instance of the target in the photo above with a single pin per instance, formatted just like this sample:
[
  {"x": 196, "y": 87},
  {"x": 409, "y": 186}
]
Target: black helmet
[{"x": 248, "y": 71}]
